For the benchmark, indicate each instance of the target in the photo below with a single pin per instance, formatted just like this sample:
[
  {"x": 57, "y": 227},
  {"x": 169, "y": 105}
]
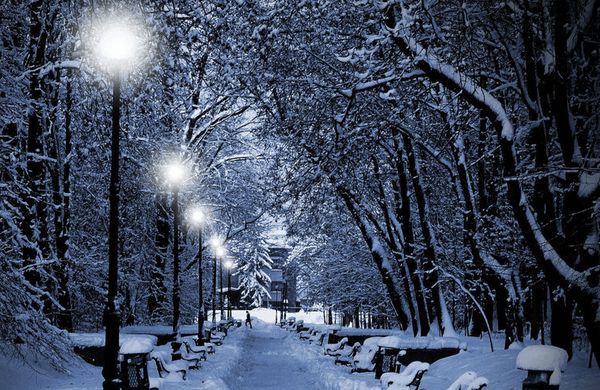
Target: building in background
[{"x": 283, "y": 283}]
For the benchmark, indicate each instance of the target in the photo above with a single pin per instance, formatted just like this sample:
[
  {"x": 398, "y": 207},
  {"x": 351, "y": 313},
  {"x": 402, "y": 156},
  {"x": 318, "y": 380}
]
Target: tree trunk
[
  {"x": 387, "y": 275},
  {"x": 158, "y": 290},
  {"x": 59, "y": 173},
  {"x": 396, "y": 247},
  {"x": 34, "y": 213},
  {"x": 561, "y": 323},
  {"x": 404, "y": 215},
  {"x": 431, "y": 278}
]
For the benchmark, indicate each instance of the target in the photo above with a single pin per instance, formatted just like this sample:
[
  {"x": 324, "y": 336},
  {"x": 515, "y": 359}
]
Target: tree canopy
[{"x": 420, "y": 153}]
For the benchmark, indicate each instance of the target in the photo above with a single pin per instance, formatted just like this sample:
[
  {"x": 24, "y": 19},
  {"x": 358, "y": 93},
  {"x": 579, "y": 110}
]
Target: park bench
[
  {"x": 335, "y": 349},
  {"x": 199, "y": 351},
  {"x": 409, "y": 378},
  {"x": 365, "y": 358},
  {"x": 210, "y": 347},
  {"x": 298, "y": 326},
  {"x": 468, "y": 381},
  {"x": 346, "y": 358},
  {"x": 287, "y": 323},
  {"x": 317, "y": 338},
  {"x": 165, "y": 368},
  {"x": 217, "y": 337},
  {"x": 307, "y": 334},
  {"x": 178, "y": 354}
]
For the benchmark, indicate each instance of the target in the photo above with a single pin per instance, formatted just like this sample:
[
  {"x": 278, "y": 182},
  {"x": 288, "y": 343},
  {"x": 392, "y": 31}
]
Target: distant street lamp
[
  {"x": 221, "y": 288},
  {"x": 277, "y": 287},
  {"x": 198, "y": 219},
  {"x": 117, "y": 46},
  {"x": 219, "y": 252},
  {"x": 284, "y": 301},
  {"x": 275, "y": 305},
  {"x": 175, "y": 175},
  {"x": 229, "y": 266}
]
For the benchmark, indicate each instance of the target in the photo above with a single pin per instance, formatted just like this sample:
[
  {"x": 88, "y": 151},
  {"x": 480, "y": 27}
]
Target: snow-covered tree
[{"x": 254, "y": 281}]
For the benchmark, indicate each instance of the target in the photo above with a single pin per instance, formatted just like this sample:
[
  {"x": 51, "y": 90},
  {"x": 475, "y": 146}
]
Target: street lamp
[
  {"x": 117, "y": 45},
  {"x": 175, "y": 175},
  {"x": 198, "y": 219},
  {"x": 219, "y": 252},
  {"x": 229, "y": 266}
]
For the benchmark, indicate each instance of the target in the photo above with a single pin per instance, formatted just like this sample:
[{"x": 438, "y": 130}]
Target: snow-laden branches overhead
[{"x": 395, "y": 139}]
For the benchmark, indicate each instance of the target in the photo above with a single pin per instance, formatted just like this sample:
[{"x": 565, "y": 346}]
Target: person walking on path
[{"x": 248, "y": 320}]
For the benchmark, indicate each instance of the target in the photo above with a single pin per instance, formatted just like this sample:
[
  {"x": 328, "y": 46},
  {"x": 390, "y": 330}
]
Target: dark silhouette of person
[{"x": 248, "y": 321}]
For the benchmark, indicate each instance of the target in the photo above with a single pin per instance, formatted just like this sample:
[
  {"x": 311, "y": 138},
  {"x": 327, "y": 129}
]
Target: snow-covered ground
[{"x": 232, "y": 365}]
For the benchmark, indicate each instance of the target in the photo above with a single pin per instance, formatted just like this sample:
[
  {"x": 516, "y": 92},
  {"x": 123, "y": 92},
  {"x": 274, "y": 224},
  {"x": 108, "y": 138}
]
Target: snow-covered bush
[{"x": 25, "y": 333}]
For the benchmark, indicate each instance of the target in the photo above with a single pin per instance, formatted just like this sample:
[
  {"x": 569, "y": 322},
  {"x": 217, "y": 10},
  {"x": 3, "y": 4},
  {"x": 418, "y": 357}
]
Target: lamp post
[
  {"x": 229, "y": 266},
  {"x": 198, "y": 218},
  {"x": 117, "y": 46},
  {"x": 221, "y": 288},
  {"x": 175, "y": 175},
  {"x": 284, "y": 301},
  {"x": 219, "y": 251},
  {"x": 275, "y": 305}
]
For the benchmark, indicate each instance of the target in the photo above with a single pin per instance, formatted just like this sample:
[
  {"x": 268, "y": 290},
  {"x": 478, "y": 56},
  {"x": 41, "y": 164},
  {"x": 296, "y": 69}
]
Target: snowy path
[
  {"x": 268, "y": 357},
  {"x": 269, "y": 363}
]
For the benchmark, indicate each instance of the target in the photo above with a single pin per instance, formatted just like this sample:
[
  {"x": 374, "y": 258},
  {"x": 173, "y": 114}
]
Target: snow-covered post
[
  {"x": 219, "y": 253},
  {"x": 198, "y": 219},
  {"x": 544, "y": 364},
  {"x": 229, "y": 265},
  {"x": 175, "y": 175}
]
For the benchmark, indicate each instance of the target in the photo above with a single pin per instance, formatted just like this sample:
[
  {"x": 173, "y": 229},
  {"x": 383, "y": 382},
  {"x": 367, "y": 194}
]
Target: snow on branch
[
  {"x": 437, "y": 69},
  {"x": 429, "y": 62},
  {"x": 349, "y": 93},
  {"x": 67, "y": 64}
]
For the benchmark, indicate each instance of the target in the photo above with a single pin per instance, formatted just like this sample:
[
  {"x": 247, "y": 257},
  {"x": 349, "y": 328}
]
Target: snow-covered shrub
[{"x": 24, "y": 331}]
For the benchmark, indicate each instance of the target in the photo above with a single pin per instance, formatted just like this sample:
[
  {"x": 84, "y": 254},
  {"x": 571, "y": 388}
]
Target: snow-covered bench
[
  {"x": 410, "y": 378},
  {"x": 307, "y": 334},
  {"x": 287, "y": 323},
  {"x": 346, "y": 357},
  {"x": 199, "y": 352},
  {"x": 469, "y": 381},
  {"x": 217, "y": 337},
  {"x": 210, "y": 347},
  {"x": 317, "y": 338},
  {"x": 298, "y": 326},
  {"x": 164, "y": 368},
  {"x": 364, "y": 359},
  {"x": 335, "y": 349}
]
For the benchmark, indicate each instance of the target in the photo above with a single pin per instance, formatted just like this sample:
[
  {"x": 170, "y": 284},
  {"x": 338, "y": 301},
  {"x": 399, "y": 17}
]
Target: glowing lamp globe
[
  {"x": 197, "y": 217},
  {"x": 117, "y": 43},
  {"x": 175, "y": 174}
]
